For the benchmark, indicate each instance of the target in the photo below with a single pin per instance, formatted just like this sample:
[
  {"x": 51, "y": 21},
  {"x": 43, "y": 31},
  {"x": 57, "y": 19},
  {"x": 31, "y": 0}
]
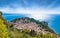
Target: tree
[
  {"x": 3, "y": 29},
  {"x": 0, "y": 13},
  {"x": 32, "y": 33}
]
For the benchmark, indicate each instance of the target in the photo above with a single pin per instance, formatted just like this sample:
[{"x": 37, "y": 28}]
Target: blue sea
[
  {"x": 10, "y": 17},
  {"x": 54, "y": 21}
]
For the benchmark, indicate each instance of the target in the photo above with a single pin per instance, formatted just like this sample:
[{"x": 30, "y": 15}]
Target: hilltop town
[{"x": 25, "y": 24}]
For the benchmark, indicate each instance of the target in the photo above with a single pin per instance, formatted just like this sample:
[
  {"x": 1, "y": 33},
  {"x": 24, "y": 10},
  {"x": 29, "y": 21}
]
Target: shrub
[{"x": 3, "y": 30}]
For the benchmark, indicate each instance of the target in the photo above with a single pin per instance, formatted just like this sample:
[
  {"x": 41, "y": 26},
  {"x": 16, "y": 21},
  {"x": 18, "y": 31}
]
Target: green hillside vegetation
[
  {"x": 3, "y": 29},
  {"x": 26, "y": 34}
]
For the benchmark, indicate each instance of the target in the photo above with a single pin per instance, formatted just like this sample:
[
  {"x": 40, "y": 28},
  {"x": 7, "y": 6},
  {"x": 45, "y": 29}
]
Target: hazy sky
[
  {"x": 30, "y": 6},
  {"x": 36, "y": 8}
]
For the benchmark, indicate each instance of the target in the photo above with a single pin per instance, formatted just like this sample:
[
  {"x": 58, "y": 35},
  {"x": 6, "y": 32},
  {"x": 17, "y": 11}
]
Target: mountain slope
[
  {"x": 32, "y": 27},
  {"x": 26, "y": 20},
  {"x": 3, "y": 29}
]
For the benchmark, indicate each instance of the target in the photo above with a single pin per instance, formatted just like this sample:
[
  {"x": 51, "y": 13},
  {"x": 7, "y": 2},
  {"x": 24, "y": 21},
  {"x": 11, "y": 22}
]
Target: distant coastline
[{"x": 53, "y": 22}]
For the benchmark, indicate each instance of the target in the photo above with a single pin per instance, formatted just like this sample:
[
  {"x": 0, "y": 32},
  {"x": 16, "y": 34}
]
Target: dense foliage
[
  {"x": 27, "y": 34},
  {"x": 3, "y": 29}
]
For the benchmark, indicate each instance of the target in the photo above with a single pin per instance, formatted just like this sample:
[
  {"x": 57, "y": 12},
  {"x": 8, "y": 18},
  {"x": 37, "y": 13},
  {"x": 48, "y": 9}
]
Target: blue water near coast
[
  {"x": 54, "y": 22},
  {"x": 10, "y": 17}
]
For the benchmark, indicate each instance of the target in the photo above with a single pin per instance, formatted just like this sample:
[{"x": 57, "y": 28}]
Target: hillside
[
  {"x": 27, "y": 24},
  {"x": 32, "y": 22},
  {"x": 3, "y": 28},
  {"x": 25, "y": 28}
]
